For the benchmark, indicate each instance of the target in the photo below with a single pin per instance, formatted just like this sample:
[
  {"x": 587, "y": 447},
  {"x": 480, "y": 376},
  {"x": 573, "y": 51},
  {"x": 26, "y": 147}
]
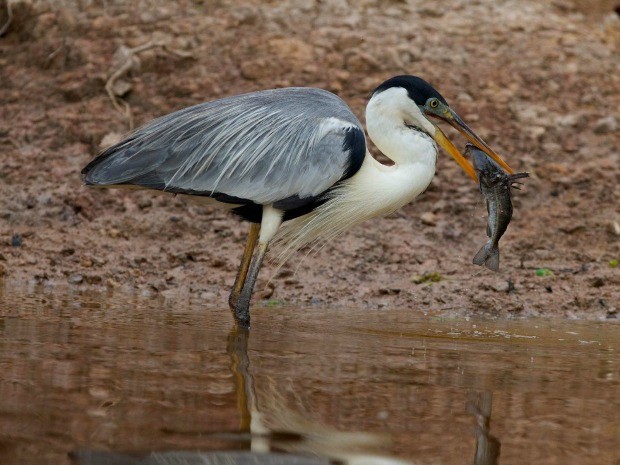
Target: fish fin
[
  {"x": 492, "y": 262},
  {"x": 481, "y": 256},
  {"x": 487, "y": 257},
  {"x": 514, "y": 177},
  {"x": 512, "y": 180}
]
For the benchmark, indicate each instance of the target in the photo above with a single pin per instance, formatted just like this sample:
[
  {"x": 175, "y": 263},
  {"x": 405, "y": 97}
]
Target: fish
[{"x": 495, "y": 185}]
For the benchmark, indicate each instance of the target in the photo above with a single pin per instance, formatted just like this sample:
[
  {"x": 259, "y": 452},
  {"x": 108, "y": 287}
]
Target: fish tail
[{"x": 488, "y": 256}]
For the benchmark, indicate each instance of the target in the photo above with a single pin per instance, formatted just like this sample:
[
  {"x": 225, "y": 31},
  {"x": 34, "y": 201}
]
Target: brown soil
[{"x": 540, "y": 81}]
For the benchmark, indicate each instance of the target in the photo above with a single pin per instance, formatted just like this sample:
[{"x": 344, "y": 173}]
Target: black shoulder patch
[
  {"x": 417, "y": 88},
  {"x": 355, "y": 145}
]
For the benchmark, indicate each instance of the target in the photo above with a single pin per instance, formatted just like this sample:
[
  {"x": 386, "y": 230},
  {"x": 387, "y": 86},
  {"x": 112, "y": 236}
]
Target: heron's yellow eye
[{"x": 434, "y": 103}]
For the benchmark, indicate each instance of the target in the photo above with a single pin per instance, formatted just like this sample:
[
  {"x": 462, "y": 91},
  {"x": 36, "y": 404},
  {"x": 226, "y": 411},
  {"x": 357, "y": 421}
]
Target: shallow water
[{"x": 115, "y": 379}]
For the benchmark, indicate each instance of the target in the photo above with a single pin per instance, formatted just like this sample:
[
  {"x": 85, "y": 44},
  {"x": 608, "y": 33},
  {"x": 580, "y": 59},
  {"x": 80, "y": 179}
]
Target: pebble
[
  {"x": 605, "y": 125},
  {"x": 614, "y": 228},
  {"x": 501, "y": 286},
  {"x": 428, "y": 218},
  {"x": 110, "y": 282},
  {"x": 76, "y": 279}
]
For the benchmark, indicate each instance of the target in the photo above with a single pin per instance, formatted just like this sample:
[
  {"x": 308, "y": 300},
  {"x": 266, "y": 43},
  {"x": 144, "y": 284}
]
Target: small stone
[
  {"x": 428, "y": 218},
  {"x": 99, "y": 261},
  {"x": 112, "y": 283},
  {"x": 536, "y": 132},
  {"x": 76, "y": 279},
  {"x": 464, "y": 97},
  {"x": 501, "y": 286},
  {"x": 114, "y": 233},
  {"x": 605, "y": 125},
  {"x": 614, "y": 228}
]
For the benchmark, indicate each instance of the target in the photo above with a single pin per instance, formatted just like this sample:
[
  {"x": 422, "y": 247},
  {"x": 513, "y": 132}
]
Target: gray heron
[{"x": 296, "y": 156}]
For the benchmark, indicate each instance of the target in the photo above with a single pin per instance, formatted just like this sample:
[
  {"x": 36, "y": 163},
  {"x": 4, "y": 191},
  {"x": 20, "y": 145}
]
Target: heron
[{"x": 292, "y": 161}]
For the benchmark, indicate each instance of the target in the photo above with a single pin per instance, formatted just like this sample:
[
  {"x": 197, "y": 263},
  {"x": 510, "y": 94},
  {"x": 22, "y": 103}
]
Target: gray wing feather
[{"x": 263, "y": 146}]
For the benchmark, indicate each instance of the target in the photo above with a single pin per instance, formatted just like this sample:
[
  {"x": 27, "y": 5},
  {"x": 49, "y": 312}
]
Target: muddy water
[{"x": 113, "y": 379}]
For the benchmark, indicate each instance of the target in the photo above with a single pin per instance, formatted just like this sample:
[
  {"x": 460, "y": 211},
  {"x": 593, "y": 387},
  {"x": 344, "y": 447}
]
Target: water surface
[{"x": 115, "y": 379}]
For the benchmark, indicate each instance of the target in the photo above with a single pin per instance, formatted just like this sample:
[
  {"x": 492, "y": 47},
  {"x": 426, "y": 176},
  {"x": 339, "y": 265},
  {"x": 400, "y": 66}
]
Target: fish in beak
[{"x": 434, "y": 107}]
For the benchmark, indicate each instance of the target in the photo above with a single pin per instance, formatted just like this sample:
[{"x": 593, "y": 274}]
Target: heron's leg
[
  {"x": 250, "y": 245},
  {"x": 272, "y": 218}
]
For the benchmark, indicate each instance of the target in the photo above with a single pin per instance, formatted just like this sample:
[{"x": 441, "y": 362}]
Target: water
[{"x": 114, "y": 379}]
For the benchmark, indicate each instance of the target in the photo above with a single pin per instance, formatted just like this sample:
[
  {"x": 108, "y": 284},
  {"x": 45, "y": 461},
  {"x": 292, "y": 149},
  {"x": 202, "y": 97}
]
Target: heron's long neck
[
  {"x": 402, "y": 144},
  {"x": 375, "y": 190},
  {"x": 414, "y": 154}
]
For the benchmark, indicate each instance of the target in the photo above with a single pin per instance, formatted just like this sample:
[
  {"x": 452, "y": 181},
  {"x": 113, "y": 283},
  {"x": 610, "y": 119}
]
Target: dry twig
[
  {"x": 9, "y": 14},
  {"x": 128, "y": 61}
]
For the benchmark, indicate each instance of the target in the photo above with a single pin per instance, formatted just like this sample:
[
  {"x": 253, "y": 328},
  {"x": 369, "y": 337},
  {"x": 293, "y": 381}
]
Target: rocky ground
[{"x": 540, "y": 81}]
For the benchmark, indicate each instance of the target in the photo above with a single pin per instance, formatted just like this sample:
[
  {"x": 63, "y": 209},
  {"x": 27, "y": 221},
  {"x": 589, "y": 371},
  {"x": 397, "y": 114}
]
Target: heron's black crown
[{"x": 418, "y": 89}]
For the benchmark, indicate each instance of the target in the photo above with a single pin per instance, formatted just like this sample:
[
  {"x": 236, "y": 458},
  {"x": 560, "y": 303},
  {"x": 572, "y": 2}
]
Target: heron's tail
[{"x": 488, "y": 256}]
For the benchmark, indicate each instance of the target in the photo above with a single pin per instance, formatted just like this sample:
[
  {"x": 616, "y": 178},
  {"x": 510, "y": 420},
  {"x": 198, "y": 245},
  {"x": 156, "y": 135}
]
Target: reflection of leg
[
  {"x": 251, "y": 419},
  {"x": 244, "y": 266},
  {"x": 487, "y": 445},
  {"x": 270, "y": 222},
  {"x": 237, "y": 348}
]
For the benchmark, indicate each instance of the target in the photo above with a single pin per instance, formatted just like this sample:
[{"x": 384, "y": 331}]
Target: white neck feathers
[{"x": 376, "y": 189}]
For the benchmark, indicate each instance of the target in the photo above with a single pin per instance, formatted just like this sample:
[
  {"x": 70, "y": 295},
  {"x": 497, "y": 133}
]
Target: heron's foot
[
  {"x": 242, "y": 311},
  {"x": 242, "y": 316}
]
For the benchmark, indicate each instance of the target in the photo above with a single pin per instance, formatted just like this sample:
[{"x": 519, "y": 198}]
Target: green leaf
[{"x": 544, "y": 272}]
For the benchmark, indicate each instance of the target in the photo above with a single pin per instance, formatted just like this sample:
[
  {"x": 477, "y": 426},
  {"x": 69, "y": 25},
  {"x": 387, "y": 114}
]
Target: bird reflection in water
[
  {"x": 279, "y": 435},
  {"x": 487, "y": 445}
]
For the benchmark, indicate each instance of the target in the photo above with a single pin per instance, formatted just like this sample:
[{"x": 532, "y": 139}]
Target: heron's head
[{"x": 419, "y": 104}]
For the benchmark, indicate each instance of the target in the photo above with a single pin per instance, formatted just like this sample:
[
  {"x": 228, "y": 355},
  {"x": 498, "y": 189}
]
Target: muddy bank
[{"x": 538, "y": 81}]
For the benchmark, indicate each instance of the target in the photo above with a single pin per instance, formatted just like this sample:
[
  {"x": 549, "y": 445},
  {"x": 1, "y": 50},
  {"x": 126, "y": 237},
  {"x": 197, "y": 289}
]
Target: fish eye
[{"x": 433, "y": 103}]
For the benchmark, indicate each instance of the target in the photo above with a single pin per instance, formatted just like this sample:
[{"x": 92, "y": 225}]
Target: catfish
[{"x": 495, "y": 186}]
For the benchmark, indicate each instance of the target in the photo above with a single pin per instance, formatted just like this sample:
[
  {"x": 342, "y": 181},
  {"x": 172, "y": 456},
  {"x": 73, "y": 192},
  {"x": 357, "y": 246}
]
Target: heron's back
[{"x": 260, "y": 147}]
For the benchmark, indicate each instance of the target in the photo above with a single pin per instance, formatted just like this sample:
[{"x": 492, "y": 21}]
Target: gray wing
[{"x": 263, "y": 146}]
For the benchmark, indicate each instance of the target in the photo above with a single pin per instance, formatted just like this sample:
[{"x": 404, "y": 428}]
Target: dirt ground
[{"x": 540, "y": 81}]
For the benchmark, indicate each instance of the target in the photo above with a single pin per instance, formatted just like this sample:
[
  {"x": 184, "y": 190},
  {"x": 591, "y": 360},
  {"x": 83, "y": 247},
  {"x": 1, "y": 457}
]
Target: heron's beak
[
  {"x": 446, "y": 113},
  {"x": 449, "y": 147}
]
